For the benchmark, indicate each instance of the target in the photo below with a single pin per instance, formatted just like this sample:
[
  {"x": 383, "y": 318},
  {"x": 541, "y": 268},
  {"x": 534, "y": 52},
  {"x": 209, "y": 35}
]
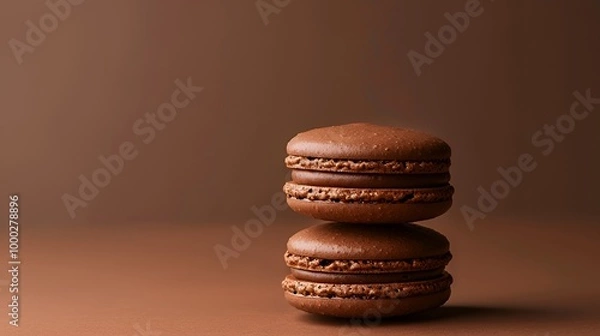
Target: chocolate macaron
[
  {"x": 364, "y": 173},
  {"x": 355, "y": 270}
]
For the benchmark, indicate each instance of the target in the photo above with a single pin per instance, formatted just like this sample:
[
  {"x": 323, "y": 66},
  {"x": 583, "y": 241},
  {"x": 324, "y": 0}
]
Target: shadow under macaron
[{"x": 464, "y": 314}]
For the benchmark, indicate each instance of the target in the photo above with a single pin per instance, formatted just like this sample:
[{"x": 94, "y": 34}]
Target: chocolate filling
[
  {"x": 350, "y": 195},
  {"x": 366, "y": 266},
  {"x": 365, "y": 278},
  {"x": 328, "y": 179}
]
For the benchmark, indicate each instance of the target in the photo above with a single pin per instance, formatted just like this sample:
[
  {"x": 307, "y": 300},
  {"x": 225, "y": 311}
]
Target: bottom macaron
[
  {"x": 349, "y": 270},
  {"x": 367, "y": 300}
]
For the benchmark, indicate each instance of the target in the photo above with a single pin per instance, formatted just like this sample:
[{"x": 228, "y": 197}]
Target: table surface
[{"x": 512, "y": 277}]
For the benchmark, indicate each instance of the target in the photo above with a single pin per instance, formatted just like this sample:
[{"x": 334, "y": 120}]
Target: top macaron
[
  {"x": 361, "y": 141},
  {"x": 368, "y": 173}
]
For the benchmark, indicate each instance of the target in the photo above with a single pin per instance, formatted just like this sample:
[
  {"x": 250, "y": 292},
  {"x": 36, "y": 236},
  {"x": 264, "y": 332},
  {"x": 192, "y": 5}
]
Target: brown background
[{"x": 316, "y": 63}]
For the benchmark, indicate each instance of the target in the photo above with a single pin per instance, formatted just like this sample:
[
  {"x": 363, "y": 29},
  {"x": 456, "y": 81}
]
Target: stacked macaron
[{"x": 371, "y": 181}]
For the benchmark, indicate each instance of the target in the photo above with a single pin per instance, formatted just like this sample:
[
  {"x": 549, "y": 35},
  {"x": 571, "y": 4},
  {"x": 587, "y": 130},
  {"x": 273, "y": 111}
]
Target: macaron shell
[
  {"x": 346, "y": 241},
  {"x": 369, "y": 213},
  {"x": 368, "y": 309},
  {"x": 368, "y": 142}
]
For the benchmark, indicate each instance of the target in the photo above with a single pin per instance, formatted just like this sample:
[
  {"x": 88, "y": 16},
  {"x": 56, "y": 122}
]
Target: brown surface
[
  {"x": 512, "y": 277},
  {"x": 362, "y": 141}
]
